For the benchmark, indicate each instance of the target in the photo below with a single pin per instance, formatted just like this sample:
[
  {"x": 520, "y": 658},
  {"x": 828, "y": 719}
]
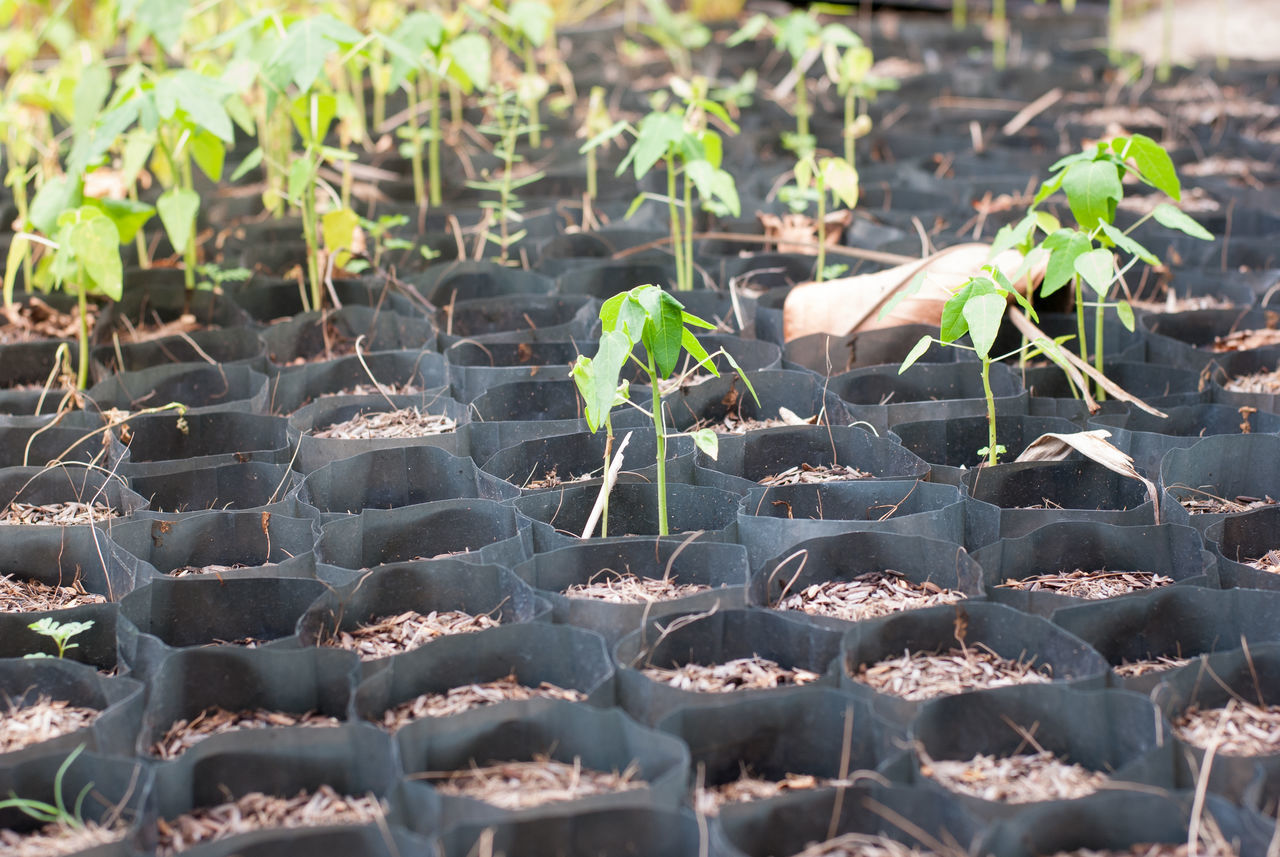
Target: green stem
[
  {"x": 1115, "y": 17},
  {"x": 189, "y": 251},
  {"x": 993, "y": 455},
  {"x": 1098, "y": 311},
  {"x": 608, "y": 459},
  {"x": 535, "y": 128},
  {"x": 309, "y": 225},
  {"x": 433, "y": 145},
  {"x": 1000, "y": 38},
  {"x": 822, "y": 229},
  {"x": 1083, "y": 344},
  {"x": 661, "y": 439},
  {"x": 959, "y": 14},
  {"x": 82, "y": 374},
  {"x": 677, "y": 245},
  {"x": 850, "y": 102},
  {"x": 1166, "y": 41},
  {"x": 688, "y": 234},
  {"x": 802, "y": 106},
  {"x": 419, "y": 182}
]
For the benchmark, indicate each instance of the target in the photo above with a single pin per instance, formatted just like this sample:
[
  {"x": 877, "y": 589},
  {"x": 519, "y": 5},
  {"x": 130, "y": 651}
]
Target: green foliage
[
  {"x": 60, "y": 633},
  {"x": 56, "y": 812}
]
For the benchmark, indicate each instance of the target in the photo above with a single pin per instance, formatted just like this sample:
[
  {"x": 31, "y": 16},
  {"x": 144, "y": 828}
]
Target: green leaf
[
  {"x": 1125, "y": 313},
  {"x": 57, "y": 195},
  {"x": 1013, "y": 235},
  {"x": 250, "y": 162},
  {"x": 1153, "y": 162},
  {"x": 597, "y": 377},
  {"x": 1064, "y": 246},
  {"x": 1171, "y": 217},
  {"x": 128, "y": 215},
  {"x": 338, "y": 229},
  {"x": 954, "y": 324},
  {"x": 690, "y": 318},
  {"x": 209, "y": 152},
  {"x": 89, "y": 95},
  {"x": 96, "y": 245},
  {"x": 983, "y": 313},
  {"x": 19, "y": 246},
  {"x": 698, "y": 352},
  {"x": 1124, "y": 242},
  {"x": 917, "y": 351},
  {"x": 1097, "y": 268},
  {"x": 604, "y": 136},
  {"x": 162, "y": 19},
  {"x": 137, "y": 148},
  {"x": 841, "y": 178},
  {"x": 312, "y": 114},
  {"x": 657, "y": 133},
  {"x": 533, "y": 19},
  {"x": 470, "y": 61},
  {"x": 1048, "y": 189},
  {"x": 1093, "y": 189},
  {"x": 177, "y": 208},
  {"x": 750, "y": 31},
  {"x": 707, "y": 441},
  {"x": 663, "y": 329}
]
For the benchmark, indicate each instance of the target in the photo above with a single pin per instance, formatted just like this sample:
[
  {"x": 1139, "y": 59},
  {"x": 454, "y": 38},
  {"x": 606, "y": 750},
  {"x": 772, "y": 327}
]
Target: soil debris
[
  {"x": 924, "y": 675},
  {"x": 184, "y": 734},
  {"x": 43, "y": 720},
  {"x": 258, "y": 811},
  {"x": 522, "y": 785},
  {"x": 552, "y": 479},
  {"x": 34, "y": 320},
  {"x": 1270, "y": 562},
  {"x": 1247, "y": 729},
  {"x": 20, "y": 595},
  {"x": 1090, "y": 585},
  {"x": 876, "y": 593},
  {"x": 627, "y": 588},
  {"x": 1026, "y": 778},
  {"x": 1202, "y": 503},
  {"x": 1245, "y": 340},
  {"x": 737, "y": 424},
  {"x": 1257, "y": 382},
  {"x": 1133, "y": 669},
  {"x": 391, "y": 635},
  {"x": 753, "y": 673},
  {"x": 405, "y": 422},
  {"x": 69, "y": 514},
  {"x": 217, "y": 570},
  {"x": 809, "y": 474},
  {"x": 457, "y": 700},
  {"x": 862, "y": 845},
  {"x": 54, "y": 840},
  {"x": 1159, "y": 849},
  {"x": 748, "y": 788}
]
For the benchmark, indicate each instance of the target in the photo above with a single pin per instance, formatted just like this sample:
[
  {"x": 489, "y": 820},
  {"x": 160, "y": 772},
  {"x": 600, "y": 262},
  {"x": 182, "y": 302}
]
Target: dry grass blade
[
  {"x": 54, "y": 840},
  {"x": 862, "y": 845},
  {"x": 754, "y": 673},
  {"x": 70, "y": 514},
  {"x": 627, "y": 588},
  {"x": 390, "y": 635},
  {"x": 1090, "y": 585},
  {"x": 809, "y": 474},
  {"x": 457, "y": 700},
  {"x": 1026, "y": 778},
  {"x": 182, "y": 735},
  {"x": 405, "y": 422},
  {"x": 1210, "y": 848},
  {"x": 521, "y": 785},
  {"x": 923, "y": 675},
  {"x": 18, "y": 595},
  {"x": 257, "y": 811},
  {"x": 1256, "y": 382},
  {"x": 748, "y": 788},
  {"x": 1133, "y": 669},
  {"x": 876, "y": 593},
  {"x": 1245, "y": 340},
  {"x": 1269, "y": 562},
  {"x": 45, "y": 719},
  {"x": 1247, "y": 729}
]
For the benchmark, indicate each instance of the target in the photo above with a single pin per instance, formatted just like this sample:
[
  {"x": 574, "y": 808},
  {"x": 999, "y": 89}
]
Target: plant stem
[
  {"x": 992, "y": 455},
  {"x": 433, "y": 144},
  {"x": 661, "y": 440},
  {"x": 82, "y": 373},
  {"x": 688, "y": 234},
  {"x": 959, "y": 14},
  {"x": 1115, "y": 16},
  {"x": 1166, "y": 41},
  {"x": 677, "y": 245},
  {"x": 1000, "y": 38},
  {"x": 189, "y": 251},
  {"x": 822, "y": 228},
  {"x": 1099, "y": 393},
  {"x": 592, "y": 166},
  {"x": 1083, "y": 345},
  {"x": 850, "y": 102},
  {"x": 309, "y": 226},
  {"x": 608, "y": 460},
  {"x": 535, "y": 128},
  {"x": 802, "y": 105},
  {"x": 419, "y": 183}
]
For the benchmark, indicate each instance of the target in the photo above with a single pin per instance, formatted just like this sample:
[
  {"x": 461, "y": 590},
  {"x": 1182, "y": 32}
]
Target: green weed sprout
[
  {"x": 56, "y": 812},
  {"x": 61, "y": 633}
]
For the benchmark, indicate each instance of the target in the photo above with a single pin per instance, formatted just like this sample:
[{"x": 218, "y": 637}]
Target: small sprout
[{"x": 60, "y": 632}]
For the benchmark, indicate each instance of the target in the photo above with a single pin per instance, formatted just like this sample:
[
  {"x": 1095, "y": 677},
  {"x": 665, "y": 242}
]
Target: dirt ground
[{"x": 1237, "y": 29}]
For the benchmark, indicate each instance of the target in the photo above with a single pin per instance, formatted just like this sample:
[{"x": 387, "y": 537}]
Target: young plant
[
  {"x": 653, "y": 319},
  {"x": 681, "y": 138},
  {"x": 61, "y": 633},
  {"x": 815, "y": 179},
  {"x": 850, "y": 68},
  {"x": 525, "y": 26},
  {"x": 977, "y": 308},
  {"x": 508, "y": 119},
  {"x": 1085, "y": 255},
  {"x": 678, "y": 33},
  {"x": 803, "y": 37},
  {"x": 56, "y": 812}
]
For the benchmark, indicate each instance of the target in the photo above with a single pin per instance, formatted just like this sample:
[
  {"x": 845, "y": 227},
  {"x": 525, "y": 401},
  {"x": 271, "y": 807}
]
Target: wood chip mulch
[
  {"x": 43, "y": 720},
  {"x": 19, "y": 595},
  {"x": 54, "y": 840},
  {"x": 457, "y": 700},
  {"x": 391, "y": 635},
  {"x": 1245, "y": 340},
  {"x": 405, "y": 422},
  {"x": 925, "y": 675},
  {"x": 1025, "y": 778},
  {"x": 1200, "y": 503},
  {"x": 257, "y": 811},
  {"x": 737, "y": 424},
  {"x": 216, "y": 570},
  {"x": 809, "y": 474},
  {"x": 70, "y": 514},
  {"x": 1158, "y": 849},
  {"x": 862, "y": 845},
  {"x": 182, "y": 735},
  {"x": 1090, "y": 585},
  {"x": 1269, "y": 562},
  {"x": 522, "y": 785},
  {"x": 1133, "y": 669},
  {"x": 627, "y": 588},
  {"x": 867, "y": 596},
  {"x": 1256, "y": 382},
  {"x": 552, "y": 479},
  {"x": 754, "y": 673},
  {"x": 406, "y": 389},
  {"x": 748, "y": 788},
  {"x": 35, "y": 320},
  {"x": 1247, "y": 729}
]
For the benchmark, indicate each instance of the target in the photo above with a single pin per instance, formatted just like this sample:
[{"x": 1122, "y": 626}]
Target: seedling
[
  {"x": 525, "y": 26},
  {"x": 815, "y": 178},
  {"x": 678, "y": 33},
  {"x": 649, "y": 317},
  {"x": 850, "y": 68},
  {"x": 977, "y": 308},
  {"x": 61, "y": 633},
  {"x": 56, "y": 812},
  {"x": 508, "y": 119},
  {"x": 682, "y": 139}
]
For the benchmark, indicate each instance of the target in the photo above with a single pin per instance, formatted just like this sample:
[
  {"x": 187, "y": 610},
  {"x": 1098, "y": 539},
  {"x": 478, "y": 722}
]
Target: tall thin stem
[
  {"x": 1099, "y": 393},
  {"x": 688, "y": 234},
  {"x": 433, "y": 144},
  {"x": 82, "y": 374},
  {"x": 419, "y": 183},
  {"x": 677, "y": 245},
  {"x": 822, "y": 229},
  {"x": 1083, "y": 345},
  {"x": 1000, "y": 36},
  {"x": 993, "y": 454},
  {"x": 802, "y": 105},
  {"x": 661, "y": 439}
]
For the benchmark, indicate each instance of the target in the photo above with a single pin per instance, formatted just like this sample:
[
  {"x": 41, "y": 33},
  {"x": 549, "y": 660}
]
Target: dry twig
[
  {"x": 1091, "y": 585},
  {"x": 23, "y": 725},
  {"x": 456, "y": 700},
  {"x": 1026, "y": 778},
  {"x": 521, "y": 785}
]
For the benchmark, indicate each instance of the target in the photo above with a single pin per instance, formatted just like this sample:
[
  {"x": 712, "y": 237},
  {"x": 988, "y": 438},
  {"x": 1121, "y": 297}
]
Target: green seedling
[
  {"x": 678, "y": 33},
  {"x": 815, "y": 179},
  {"x": 61, "y": 633},
  {"x": 508, "y": 119},
  {"x": 57, "y": 812},
  {"x": 654, "y": 320}
]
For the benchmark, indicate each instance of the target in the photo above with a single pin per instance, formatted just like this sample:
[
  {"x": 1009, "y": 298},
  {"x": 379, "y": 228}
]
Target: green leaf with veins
[
  {"x": 1097, "y": 268},
  {"x": 1093, "y": 189},
  {"x": 1171, "y": 217}
]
